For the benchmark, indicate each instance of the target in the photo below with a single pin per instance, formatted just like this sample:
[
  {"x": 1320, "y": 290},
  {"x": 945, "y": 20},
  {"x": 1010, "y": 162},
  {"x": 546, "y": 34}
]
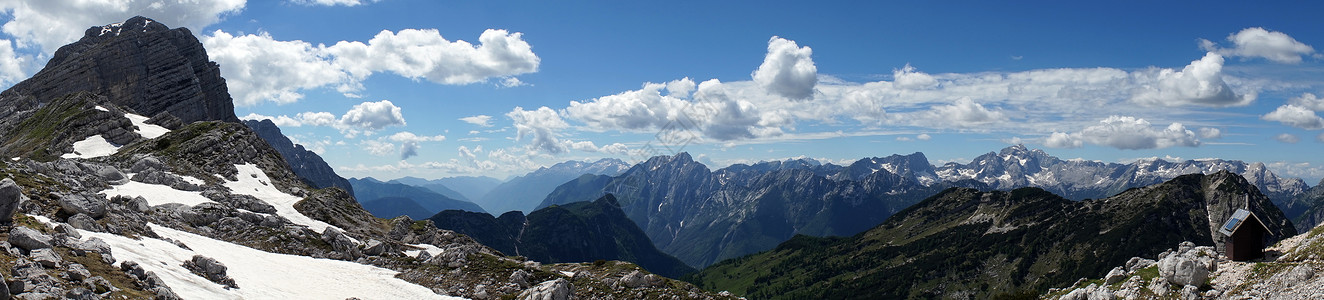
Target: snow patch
[
  {"x": 149, "y": 131},
  {"x": 432, "y": 250},
  {"x": 101, "y": 108},
  {"x": 156, "y": 194},
  {"x": 259, "y": 274},
  {"x": 92, "y": 146},
  {"x": 253, "y": 182}
]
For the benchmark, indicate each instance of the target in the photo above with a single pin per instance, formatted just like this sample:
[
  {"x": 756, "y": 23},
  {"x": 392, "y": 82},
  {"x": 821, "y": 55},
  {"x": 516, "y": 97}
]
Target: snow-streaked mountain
[{"x": 1017, "y": 166}]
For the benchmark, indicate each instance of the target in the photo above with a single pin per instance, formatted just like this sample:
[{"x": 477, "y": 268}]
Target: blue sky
[{"x": 384, "y": 88}]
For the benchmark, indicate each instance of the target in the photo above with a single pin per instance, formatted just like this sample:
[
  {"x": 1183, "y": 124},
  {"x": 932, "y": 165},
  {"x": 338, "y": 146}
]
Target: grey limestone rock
[
  {"x": 556, "y": 289},
  {"x": 211, "y": 269},
  {"x": 29, "y": 239},
  {"x": 93, "y": 205},
  {"x": 10, "y": 196}
]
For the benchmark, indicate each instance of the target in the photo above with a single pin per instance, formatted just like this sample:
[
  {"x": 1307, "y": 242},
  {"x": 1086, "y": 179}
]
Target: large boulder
[
  {"x": 10, "y": 196},
  {"x": 1189, "y": 265}
]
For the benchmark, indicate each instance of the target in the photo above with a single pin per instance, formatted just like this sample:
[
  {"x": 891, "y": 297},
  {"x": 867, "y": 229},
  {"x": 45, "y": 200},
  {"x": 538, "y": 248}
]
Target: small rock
[
  {"x": 68, "y": 230},
  {"x": 77, "y": 272},
  {"x": 94, "y": 205},
  {"x": 94, "y": 244},
  {"x": 79, "y": 293},
  {"x": 1116, "y": 275},
  {"x": 28, "y": 238},
  {"x": 558, "y": 289},
  {"x": 520, "y": 278},
  {"x": 84, "y": 222},
  {"x": 1190, "y": 292},
  {"x": 46, "y": 257},
  {"x": 139, "y": 204},
  {"x": 147, "y": 163},
  {"x": 100, "y": 285},
  {"x": 4, "y": 288},
  {"x": 112, "y": 175},
  {"x": 1136, "y": 263},
  {"x": 211, "y": 269},
  {"x": 375, "y": 248},
  {"x": 10, "y": 196}
]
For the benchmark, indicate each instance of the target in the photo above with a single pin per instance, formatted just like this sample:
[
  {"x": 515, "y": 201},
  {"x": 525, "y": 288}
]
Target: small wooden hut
[{"x": 1243, "y": 236}]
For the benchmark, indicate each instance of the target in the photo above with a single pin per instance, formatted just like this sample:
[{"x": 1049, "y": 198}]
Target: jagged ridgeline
[
  {"x": 964, "y": 243},
  {"x": 127, "y": 175}
]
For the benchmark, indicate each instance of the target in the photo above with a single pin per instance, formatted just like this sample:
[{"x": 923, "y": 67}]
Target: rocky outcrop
[
  {"x": 139, "y": 64},
  {"x": 304, "y": 163}
]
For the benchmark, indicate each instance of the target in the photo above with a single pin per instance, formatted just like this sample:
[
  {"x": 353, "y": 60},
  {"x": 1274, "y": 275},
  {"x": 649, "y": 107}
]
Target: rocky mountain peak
[{"x": 138, "y": 64}]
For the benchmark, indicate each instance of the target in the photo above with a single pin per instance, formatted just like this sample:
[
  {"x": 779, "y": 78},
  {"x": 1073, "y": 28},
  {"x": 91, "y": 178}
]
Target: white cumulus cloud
[
  {"x": 1295, "y": 116},
  {"x": 374, "y": 115},
  {"x": 1308, "y": 101},
  {"x": 425, "y": 54},
  {"x": 787, "y": 70},
  {"x": 47, "y": 25},
  {"x": 1199, "y": 83},
  {"x": 1210, "y": 133},
  {"x": 1258, "y": 42},
  {"x": 1133, "y": 133},
  {"x": 409, "y": 142},
  {"x": 260, "y": 68},
  {"x": 541, "y": 127},
  {"x": 910, "y": 79},
  {"x": 963, "y": 113},
  {"x": 14, "y": 67},
  {"x": 1063, "y": 140}
]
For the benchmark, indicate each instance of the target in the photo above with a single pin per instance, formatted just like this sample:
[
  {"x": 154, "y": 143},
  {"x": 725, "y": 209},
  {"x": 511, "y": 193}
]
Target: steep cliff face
[
  {"x": 139, "y": 64},
  {"x": 305, "y": 163}
]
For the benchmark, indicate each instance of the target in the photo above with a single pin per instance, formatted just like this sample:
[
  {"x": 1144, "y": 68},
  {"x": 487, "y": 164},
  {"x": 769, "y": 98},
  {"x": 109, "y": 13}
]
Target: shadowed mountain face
[
  {"x": 967, "y": 243},
  {"x": 139, "y": 64},
  {"x": 577, "y": 232},
  {"x": 306, "y": 164}
]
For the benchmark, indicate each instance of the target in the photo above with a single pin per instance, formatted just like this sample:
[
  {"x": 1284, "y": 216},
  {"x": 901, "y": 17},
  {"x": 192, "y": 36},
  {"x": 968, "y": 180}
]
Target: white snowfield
[
  {"x": 97, "y": 146},
  {"x": 259, "y": 274},
  {"x": 92, "y": 146},
  {"x": 253, "y": 182}
]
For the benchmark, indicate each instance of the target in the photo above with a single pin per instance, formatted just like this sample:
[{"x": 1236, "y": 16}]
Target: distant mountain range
[
  {"x": 523, "y": 193},
  {"x": 964, "y": 243},
  {"x": 577, "y": 232},
  {"x": 470, "y": 188},
  {"x": 389, "y": 200},
  {"x": 704, "y": 216}
]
